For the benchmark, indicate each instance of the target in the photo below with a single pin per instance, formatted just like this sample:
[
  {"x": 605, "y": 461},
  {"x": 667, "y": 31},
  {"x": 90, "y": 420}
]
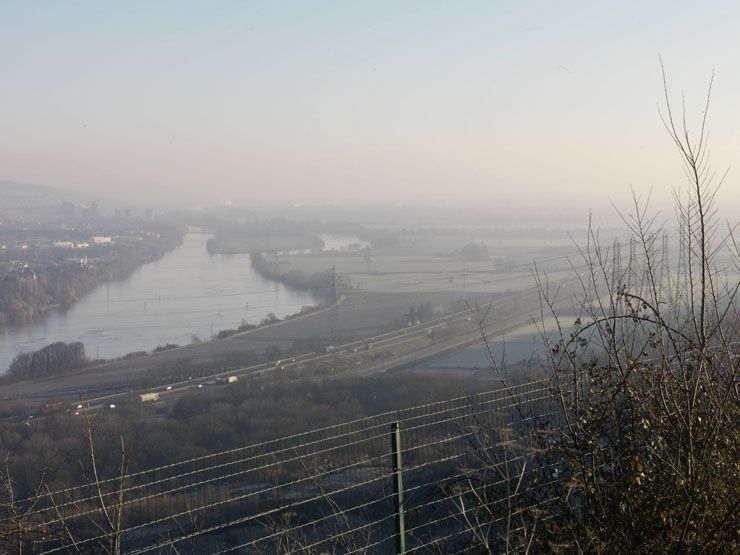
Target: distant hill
[
  {"x": 21, "y": 201},
  {"x": 31, "y": 192}
]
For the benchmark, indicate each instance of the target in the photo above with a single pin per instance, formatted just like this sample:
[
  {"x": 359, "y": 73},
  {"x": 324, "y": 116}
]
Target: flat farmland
[
  {"x": 512, "y": 348},
  {"x": 420, "y": 274}
]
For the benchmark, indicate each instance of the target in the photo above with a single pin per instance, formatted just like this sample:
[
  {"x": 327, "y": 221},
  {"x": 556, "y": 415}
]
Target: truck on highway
[{"x": 149, "y": 397}]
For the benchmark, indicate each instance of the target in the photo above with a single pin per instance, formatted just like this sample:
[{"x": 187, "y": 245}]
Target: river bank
[
  {"x": 38, "y": 286},
  {"x": 318, "y": 282},
  {"x": 185, "y": 295}
]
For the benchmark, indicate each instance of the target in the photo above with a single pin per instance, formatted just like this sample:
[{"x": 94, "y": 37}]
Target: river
[{"x": 187, "y": 292}]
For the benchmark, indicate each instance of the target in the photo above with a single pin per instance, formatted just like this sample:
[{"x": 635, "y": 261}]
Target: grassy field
[
  {"x": 419, "y": 274},
  {"x": 513, "y": 349}
]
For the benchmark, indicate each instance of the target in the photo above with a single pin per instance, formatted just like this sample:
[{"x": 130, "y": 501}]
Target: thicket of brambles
[{"x": 645, "y": 457}]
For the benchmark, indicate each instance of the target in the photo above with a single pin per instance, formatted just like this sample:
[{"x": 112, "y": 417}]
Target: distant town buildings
[
  {"x": 96, "y": 240},
  {"x": 71, "y": 245},
  {"x": 80, "y": 260}
]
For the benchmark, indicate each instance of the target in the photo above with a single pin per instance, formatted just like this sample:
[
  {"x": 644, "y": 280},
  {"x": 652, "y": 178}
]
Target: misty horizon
[
  {"x": 369, "y": 277},
  {"x": 268, "y": 106}
]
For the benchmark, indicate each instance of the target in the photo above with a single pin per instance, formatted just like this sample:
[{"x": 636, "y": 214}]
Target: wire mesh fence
[{"x": 422, "y": 479}]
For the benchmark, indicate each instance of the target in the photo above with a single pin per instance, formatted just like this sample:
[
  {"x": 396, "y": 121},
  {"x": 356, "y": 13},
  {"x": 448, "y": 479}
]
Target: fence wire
[{"x": 463, "y": 462}]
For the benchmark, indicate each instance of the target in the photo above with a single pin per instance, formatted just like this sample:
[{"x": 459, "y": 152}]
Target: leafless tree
[
  {"x": 646, "y": 378},
  {"x": 645, "y": 456},
  {"x": 59, "y": 517}
]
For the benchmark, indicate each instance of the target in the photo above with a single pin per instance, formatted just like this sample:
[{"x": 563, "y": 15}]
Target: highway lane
[
  {"x": 394, "y": 339},
  {"x": 362, "y": 315},
  {"x": 176, "y": 390}
]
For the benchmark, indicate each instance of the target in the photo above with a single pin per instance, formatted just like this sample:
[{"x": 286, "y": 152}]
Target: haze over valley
[{"x": 369, "y": 278}]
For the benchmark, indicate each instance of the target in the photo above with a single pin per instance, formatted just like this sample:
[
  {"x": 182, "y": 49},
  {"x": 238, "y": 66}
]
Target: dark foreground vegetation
[
  {"x": 647, "y": 456},
  {"x": 53, "y": 449}
]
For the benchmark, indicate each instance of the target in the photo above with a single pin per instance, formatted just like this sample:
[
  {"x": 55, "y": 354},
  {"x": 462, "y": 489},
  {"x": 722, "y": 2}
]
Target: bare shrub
[
  {"x": 646, "y": 379},
  {"x": 644, "y": 452}
]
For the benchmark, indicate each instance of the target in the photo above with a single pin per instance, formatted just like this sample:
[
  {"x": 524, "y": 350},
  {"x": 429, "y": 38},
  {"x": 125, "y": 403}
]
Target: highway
[
  {"x": 398, "y": 338},
  {"x": 396, "y": 349}
]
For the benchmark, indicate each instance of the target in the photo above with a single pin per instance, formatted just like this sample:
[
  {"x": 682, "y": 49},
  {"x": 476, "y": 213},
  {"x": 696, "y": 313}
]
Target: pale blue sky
[{"x": 345, "y": 101}]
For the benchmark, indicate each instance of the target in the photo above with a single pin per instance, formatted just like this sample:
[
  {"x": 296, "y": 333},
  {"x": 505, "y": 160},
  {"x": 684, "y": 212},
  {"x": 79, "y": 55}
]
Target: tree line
[{"x": 53, "y": 358}]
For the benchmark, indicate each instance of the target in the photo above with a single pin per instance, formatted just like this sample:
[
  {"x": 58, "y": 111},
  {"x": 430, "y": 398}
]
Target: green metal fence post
[{"x": 398, "y": 488}]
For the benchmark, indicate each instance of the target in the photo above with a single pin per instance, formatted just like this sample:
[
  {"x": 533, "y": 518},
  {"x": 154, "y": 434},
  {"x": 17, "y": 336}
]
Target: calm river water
[{"x": 187, "y": 292}]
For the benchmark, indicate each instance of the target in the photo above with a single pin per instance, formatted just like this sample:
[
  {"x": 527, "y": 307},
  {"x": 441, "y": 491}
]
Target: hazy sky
[{"x": 343, "y": 101}]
